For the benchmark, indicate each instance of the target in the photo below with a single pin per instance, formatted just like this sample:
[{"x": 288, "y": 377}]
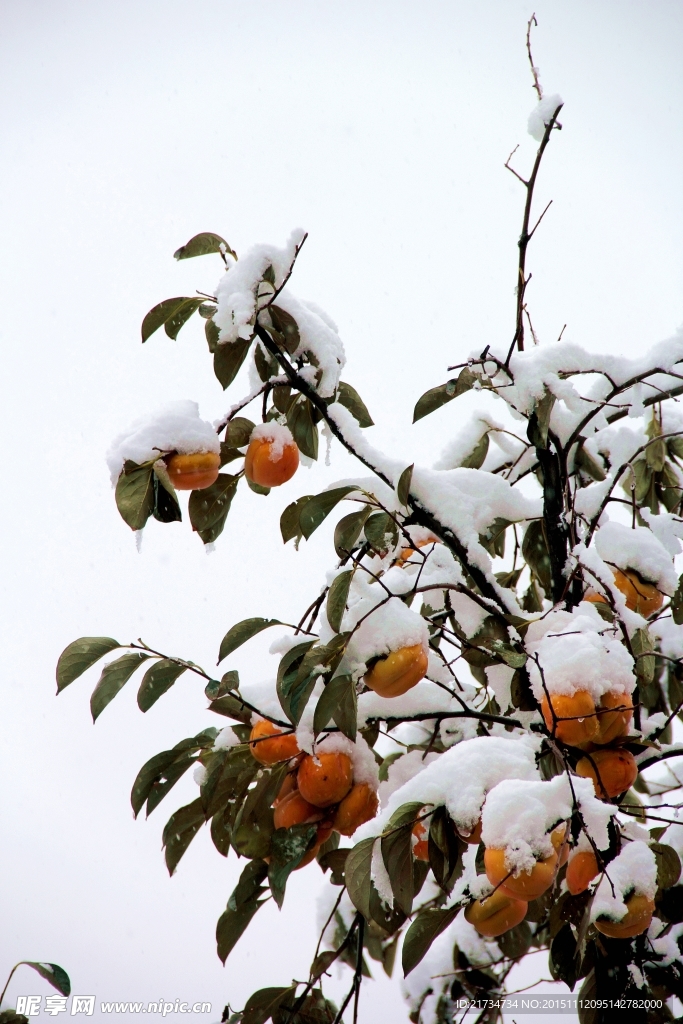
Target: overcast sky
[{"x": 382, "y": 128}]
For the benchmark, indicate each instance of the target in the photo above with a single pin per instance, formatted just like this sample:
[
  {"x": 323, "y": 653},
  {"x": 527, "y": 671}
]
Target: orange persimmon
[
  {"x": 398, "y": 672},
  {"x": 269, "y": 744},
  {"x": 496, "y": 914},
  {"x": 473, "y": 837},
  {"x": 325, "y": 779},
  {"x": 639, "y": 910},
  {"x": 193, "y": 472},
  {"x": 574, "y": 716},
  {"x": 527, "y": 885},
  {"x": 612, "y": 771},
  {"x": 269, "y": 463},
  {"x": 615, "y": 712},
  {"x": 357, "y": 807},
  {"x": 641, "y": 596},
  {"x": 581, "y": 870}
]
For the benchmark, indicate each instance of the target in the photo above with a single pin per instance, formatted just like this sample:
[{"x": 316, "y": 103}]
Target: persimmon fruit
[
  {"x": 325, "y": 779},
  {"x": 615, "y": 712},
  {"x": 269, "y": 744},
  {"x": 294, "y": 810},
  {"x": 559, "y": 837},
  {"x": 398, "y": 672},
  {"x": 639, "y": 910},
  {"x": 613, "y": 771},
  {"x": 268, "y": 464},
  {"x": 193, "y": 472},
  {"x": 358, "y": 806},
  {"x": 527, "y": 885},
  {"x": 473, "y": 837},
  {"x": 421, "y": 847},
  {"x": 581, "y": 870},
  {"x": 407, "y": 553},
  {"x": 641, "y": 596},
  {"x": 496, "y": 914},
  {"x": 574, "y": 719}
]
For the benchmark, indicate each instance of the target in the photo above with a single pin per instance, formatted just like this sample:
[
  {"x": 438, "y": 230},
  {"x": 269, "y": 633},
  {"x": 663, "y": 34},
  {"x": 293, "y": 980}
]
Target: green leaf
[
  {"x": 158, "y": 775},
  {"x": 238, "y": 432},
  {"x": 335, "y": 860},
  {"x": 446, "y": 849},
  {"x": 655, "y": 455},
  {"x": 476, "y": 457},
  {"x": 535, "y": 553},
  {"x": 163, "y": 312},
  {"x": 337, "y": 598},
  {"x": 589, "y": 465},
  {"x": 288, "y": 672},
  {"x": 288, "y": 847},
  {"x": 232, "y": 707},
  {"x": 180, "y": 830},
  {"x": 241, "y": 632},
  {"x": 180, "y": 316},
  {"x": 348, "y": 531},
  {"x": 515, "y": 942},
  {"x": 289, "y": 520},
  {"x": 539, "y": 421},
  {"x": 357, "y": 874},
  {"x": 426, "y": 927},
  {"x": 242, "y": 905},
  {"x": 166, "y": 508},
  {"x": 562, "y": 959},
  {"x": 261, "y": 1006},
  {"x": 349, "y": 397},
  {"x": 381, "y": 532},
  {"x": 12, "y": 1017},
  {"x": 114, "y": 676},
  {"x": 403, "y": 486},
  {"x": 436, "y": 397},
  {"x": 677, "y": 603},
  {"x": 229, "y": 681},
  {"x": 668, "y": 865},
  {"x": 642, "y": 645},
  {"x": 228, "y": 359},
  {"x": 80, "y": 655},
  {"x": 209, "y": 507},
  {"x": 506, "y": 651},
  {"x": 202, "y": 245},
  {"x": 135, "y": 495},
  {"x": 211, "y": 332},
  {"x": 257, "y": 488},
  {"x": 317, "y": 508},
  {"x": 304, "y": 431},
  {"x": 253, "y": 829},
  {"x": 286, "y": 327},
  {"x": 397, "y": 854},
  {"x": 294, "y": 688},
  {"x": 53, "y": 973},
  {"x": 339, "y": 702},
  {"x": 157, "y": 680}
]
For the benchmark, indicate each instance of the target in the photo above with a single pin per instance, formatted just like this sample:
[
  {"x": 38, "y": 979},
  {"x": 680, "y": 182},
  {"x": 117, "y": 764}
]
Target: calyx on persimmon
[
  {"x": 270, "y": 462},
  {"x": 193, "y": 472},
  {"x": 269, "y": 744},
  {"x": 571, "y": 716},
  {"x": 398, "y": 672},
  {"x": 496, "y": 914}
]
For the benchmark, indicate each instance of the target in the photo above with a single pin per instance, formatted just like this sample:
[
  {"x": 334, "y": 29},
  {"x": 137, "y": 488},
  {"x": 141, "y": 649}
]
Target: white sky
[{"x": 382, "y": 128}]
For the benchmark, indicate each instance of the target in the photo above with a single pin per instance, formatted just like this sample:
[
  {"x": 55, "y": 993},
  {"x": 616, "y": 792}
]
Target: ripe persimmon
[
  {"x": 559, "y": 838},
  {"x": 612, "y": 771},
  {"x": 325, "y": 779},
  {"x": 581, "y": 870},
  {"x": 398, "y": 672},
  {"x": 288, "y": 786},
  {"x": 270, "y": 462},
  {"x": 281, "y": 747},
  {"x": 615, "y": 712},
  {"x": 193, "y": 472},
  {"x": 496, "y": 914},
  {"x": 641, "y": 596},
  {"x": 407, "y": 553},
  {"x": 294, "y": 810},
  {"x": 357, "y": 807},
  {"x": 639, "y": 910},
  {"x": 421, "y": 847},
  {"x": 527, "y": 885},
  {"x": 574, "y": 716}
]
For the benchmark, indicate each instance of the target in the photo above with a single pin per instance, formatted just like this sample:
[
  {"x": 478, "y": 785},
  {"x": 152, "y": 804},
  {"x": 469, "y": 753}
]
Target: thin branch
[{"x": 534, "y": 69}]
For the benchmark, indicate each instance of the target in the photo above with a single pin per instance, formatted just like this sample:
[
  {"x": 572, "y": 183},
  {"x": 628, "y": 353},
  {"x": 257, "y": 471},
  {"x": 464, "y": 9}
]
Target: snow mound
[{"x": 172, "y": 427}]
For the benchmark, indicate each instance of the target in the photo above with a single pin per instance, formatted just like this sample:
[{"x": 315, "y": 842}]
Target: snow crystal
[
  {"x": 172, "y": 427},
  {"x": 634, "y": 870}
]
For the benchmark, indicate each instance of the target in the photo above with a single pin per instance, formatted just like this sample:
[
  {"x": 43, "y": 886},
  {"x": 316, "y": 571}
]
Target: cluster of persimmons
[{"x": 264, "y": 465}]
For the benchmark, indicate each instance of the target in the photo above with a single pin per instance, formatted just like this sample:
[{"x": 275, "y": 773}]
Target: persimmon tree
[{"x": 468, "y": 731}]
